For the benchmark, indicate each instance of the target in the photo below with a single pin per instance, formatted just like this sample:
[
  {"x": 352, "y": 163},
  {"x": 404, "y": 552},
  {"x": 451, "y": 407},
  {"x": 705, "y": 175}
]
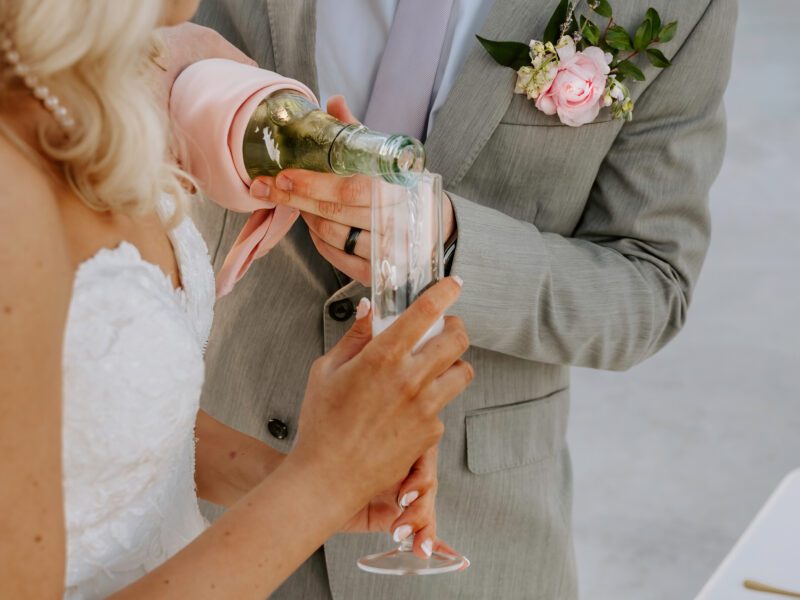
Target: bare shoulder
[
  {"x": 33, "y": 256},
  {"x": 25, "y": 190}
]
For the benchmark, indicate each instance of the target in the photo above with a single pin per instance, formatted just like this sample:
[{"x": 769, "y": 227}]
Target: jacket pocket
[{"x": 516, "y": 435}]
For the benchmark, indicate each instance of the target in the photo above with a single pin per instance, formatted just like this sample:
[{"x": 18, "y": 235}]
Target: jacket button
[
  {"x": 341, "y": 310},
  {"x": 278, "y": 429}
]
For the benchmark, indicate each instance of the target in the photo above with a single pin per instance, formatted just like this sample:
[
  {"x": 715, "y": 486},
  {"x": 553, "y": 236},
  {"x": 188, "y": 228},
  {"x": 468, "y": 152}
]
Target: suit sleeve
[{"x": 617, "y": 290}]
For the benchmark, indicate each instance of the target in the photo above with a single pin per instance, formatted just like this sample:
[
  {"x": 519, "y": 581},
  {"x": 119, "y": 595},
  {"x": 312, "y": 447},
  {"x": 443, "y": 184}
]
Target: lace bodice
[{"x": 133, "y": 370}]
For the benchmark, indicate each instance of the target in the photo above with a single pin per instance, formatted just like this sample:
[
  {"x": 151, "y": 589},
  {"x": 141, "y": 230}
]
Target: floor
[{"x": 674, "y": 458}]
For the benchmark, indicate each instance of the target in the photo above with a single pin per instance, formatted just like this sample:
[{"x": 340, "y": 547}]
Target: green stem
[
  {"x": 608, "y": 26},
  {"x": 634, "y": 55},
  {"x": 547, "y": 62}
]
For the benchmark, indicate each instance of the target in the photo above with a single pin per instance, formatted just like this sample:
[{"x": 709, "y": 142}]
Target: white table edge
[{"x": 785, "y": 482}]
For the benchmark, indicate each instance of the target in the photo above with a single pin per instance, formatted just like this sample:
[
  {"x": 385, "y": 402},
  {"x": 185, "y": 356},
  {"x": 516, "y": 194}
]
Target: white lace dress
[{"x": 133, "y": 370}]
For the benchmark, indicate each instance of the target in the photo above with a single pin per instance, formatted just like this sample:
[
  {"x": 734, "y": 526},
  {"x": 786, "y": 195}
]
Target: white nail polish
[
  {"x": 427, "y": 547},
  {"x": 401, "y": 533},
  {"x": 408, "y": 498},
  {"x": 363, "y": 308},
  {"x": 458, "y": 280}
]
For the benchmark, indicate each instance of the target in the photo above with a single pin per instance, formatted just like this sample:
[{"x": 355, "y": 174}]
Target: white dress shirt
[{"x": 351, "y": 37}]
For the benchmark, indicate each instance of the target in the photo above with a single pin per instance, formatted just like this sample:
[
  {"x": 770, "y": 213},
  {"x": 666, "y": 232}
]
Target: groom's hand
[{"x": 332, "y": 206}]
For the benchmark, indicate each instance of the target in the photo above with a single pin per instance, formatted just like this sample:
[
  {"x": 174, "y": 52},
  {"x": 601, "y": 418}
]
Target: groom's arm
[{"x": 618, "y": 289}]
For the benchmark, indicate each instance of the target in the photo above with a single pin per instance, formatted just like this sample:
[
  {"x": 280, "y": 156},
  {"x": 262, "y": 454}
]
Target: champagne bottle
[{"x": 287, "y": 130}]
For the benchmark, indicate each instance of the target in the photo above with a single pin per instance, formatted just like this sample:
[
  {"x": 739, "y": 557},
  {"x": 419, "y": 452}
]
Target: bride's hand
[
  {"x": 411, "y": 504},
  {"x": 371, "y": 407}
]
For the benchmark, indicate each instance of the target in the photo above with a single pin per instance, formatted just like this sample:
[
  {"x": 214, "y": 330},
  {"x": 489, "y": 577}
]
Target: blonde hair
[{"x": 94, "y": 55}]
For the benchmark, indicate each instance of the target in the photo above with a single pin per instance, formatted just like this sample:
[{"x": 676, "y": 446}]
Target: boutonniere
[{"x": 579, "y": 68}]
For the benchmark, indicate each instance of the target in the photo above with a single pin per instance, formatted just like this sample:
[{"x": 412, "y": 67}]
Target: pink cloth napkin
[{"x": 210, "y": 106}]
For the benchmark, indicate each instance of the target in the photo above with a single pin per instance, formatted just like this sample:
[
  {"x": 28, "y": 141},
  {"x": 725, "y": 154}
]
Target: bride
[{"x": 105, "y": 306}]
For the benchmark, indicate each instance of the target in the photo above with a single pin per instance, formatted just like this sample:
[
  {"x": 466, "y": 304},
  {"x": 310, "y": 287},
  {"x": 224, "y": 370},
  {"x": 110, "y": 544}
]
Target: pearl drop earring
[{"x": 50, "y": 101}]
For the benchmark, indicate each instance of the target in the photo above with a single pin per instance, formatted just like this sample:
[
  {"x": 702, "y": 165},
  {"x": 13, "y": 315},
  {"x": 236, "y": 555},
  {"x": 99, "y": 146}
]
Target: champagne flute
[{"x": 406, "y": 260}]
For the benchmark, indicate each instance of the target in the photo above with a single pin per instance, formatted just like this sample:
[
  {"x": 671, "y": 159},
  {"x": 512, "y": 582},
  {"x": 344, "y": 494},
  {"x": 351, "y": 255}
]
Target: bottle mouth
[{"x": 402, "y": 160}]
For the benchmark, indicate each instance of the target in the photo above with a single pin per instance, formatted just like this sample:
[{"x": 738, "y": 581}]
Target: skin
[
  {"x": 350, "y": 447},
  {"x": 331, "y": 205},
  {"x": 186, "y": 44}
]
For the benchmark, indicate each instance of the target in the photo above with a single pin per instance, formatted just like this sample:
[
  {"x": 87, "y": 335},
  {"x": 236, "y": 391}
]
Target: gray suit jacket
[{"x": 577, "y": 247}]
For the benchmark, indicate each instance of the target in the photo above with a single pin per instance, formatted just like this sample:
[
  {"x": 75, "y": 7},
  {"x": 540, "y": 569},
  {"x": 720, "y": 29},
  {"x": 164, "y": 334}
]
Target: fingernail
[
  {"x": 259, "y": 189},
  {"x": 401, "y": 533},
  {"x": 363, "y": 309},
  {"x": 427, "y": 547},
  {"x": 408, "y": 498},
  {"x": 458, "y": 280},
  {"x": 284, "y": 183}
]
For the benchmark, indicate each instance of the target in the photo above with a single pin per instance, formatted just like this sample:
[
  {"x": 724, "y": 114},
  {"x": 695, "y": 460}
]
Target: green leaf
[
  {"x": 618, "y": 38},
  {"x": 654, "y": 18},
  {"x": 514, "y": 55},
  {"x": 644, "y": 35},
  {"x": 603, "y": 8},
  {"x": 553, "y": 31},
  {"x": 628, "y": 69},
  {"x": 657, "y": 58},
  {"x": 668, "y": 32},
  {"x": 591, "y": 32}
]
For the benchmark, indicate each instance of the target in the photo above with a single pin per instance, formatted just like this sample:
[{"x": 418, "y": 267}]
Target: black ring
[{"x": 352, "y": 240}]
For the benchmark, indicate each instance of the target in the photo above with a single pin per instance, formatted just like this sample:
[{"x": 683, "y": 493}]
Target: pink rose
[{"x": 577, "y": 91}]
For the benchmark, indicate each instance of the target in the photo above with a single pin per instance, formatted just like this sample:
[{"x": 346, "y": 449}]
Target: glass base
[{"x": 404, "y": 562}]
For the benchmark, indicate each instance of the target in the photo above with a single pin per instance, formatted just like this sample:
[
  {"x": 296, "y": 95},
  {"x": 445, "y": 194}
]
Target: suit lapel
[
  {"x": 293, "y": 29},
  {"x": 483, "y": 90}
]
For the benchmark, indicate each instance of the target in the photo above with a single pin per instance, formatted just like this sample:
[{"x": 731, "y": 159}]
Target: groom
[{"x": 577, "y": 247}]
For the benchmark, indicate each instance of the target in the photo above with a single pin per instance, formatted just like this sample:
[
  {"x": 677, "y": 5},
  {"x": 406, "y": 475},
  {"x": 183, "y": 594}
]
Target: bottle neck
[{"x": 397, "y": 159}]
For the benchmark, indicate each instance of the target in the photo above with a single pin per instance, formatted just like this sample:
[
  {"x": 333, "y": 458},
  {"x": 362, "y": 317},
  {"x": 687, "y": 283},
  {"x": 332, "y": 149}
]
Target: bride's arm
[
  {"x": 351, "y": 445},
  {"x": 257, "y": 543},
  {"x": 229, "y": 463},
  {"x": 34, "y": 297},
  {"x": 354, "y": 440}
]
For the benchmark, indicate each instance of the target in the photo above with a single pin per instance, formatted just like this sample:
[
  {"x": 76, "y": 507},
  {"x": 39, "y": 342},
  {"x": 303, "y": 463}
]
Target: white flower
[
  {"x": 623, "y": 110},
  {"x": 565, "y": 41},
  {"x": 620, "y": 91},
  {"x": 618, "y": 97},
  {"x": 537, "y": 47},
  {"x": 524, "y": 77},
  {"x": 566, "y": 48}
]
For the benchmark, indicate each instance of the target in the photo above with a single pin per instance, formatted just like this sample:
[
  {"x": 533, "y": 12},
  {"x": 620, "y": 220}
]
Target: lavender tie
[{"x": 401, "y": 96}]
